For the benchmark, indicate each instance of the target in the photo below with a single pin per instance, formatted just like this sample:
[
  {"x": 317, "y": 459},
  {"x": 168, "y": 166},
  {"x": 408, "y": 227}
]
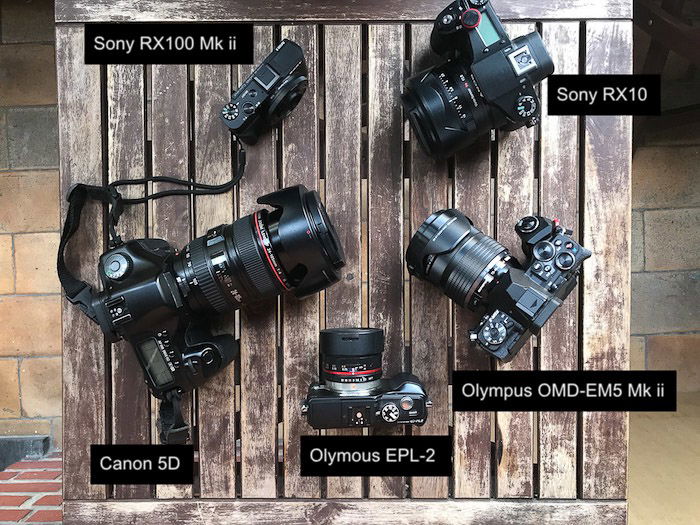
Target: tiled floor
[{"x": 30, "y": 491}]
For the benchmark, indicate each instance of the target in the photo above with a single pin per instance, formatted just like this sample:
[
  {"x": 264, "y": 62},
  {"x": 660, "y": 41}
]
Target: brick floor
[{"x": 30, "y": 491}]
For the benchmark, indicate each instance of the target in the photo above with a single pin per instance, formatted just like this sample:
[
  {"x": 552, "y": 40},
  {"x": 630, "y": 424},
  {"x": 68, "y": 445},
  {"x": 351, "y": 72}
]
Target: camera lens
[
  {"x": 293, "y": 248},
  {"x": 351, "y": 359},
  {"x": 448, "y": 251}
]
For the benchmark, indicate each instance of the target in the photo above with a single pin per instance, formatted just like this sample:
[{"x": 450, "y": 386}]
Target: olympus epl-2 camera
[
  {"x": 488, "y": 81},
  {"x": 160, "y": 299},
  {"x": 476, "y": 271},
  {"x": 272, "y": 92},
  {"x": 353, "y": 393}
]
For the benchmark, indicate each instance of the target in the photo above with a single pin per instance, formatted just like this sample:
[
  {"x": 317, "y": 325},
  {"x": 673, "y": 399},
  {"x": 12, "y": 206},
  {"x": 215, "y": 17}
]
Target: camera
[
  {"x": 159, "y": 299},
  {"x": 353, "y": 393},
  {"x": 475, "y": 270},
  {"x": 266, "y": 97},
  {"x": 488, "y": 81}
]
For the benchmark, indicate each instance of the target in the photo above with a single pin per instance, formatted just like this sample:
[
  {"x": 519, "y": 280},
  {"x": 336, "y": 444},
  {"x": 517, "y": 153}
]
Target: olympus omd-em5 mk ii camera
[
  {"x": 353, "y": 393},
  {"x": 488, "y": 81},
  {"x": 475, "y": 270},
  {"x": 270, "y": 94}
]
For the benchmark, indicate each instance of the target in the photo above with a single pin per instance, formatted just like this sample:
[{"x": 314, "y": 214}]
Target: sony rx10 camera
[
  {"x": 474, "y": 270},
  {"x": 353, "y": 393},
  {"x": 488, "y": 81},
  {"x": 266, "y": 97}
]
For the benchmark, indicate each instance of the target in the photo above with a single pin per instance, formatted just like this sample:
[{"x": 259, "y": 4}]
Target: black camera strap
[
  {"x": 174, "y": 430},
  {"x": 171, "y": 423}
]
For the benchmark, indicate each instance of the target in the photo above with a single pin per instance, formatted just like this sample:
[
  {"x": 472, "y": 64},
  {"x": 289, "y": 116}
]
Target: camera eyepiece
[
  {"x": 293, "y": 247},
  {"x": 351, "y": 359},
  {"x": 450, "y": 252}
]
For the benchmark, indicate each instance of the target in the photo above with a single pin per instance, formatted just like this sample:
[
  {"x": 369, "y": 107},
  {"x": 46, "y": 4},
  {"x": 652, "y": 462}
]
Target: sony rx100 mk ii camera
[
  {"x": 353, "y": 393},
  {"x": 273, "y": 90},
  {"x": 488, "y": 81},
  {"x": 474, "y": 270}
]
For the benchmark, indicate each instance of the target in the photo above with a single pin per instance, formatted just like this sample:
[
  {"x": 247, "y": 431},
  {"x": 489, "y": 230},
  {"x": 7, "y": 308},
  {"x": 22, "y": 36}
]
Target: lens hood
[
  {"x": 351, "y": 342},
  {"x": 304, "y": 239}
]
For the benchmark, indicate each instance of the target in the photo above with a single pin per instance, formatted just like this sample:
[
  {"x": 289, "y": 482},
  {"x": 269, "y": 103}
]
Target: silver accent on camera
[{"x": 522, "y": 60}]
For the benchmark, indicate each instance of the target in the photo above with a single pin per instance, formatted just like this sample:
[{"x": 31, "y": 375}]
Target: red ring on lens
[{"x": 273, "y": 267}]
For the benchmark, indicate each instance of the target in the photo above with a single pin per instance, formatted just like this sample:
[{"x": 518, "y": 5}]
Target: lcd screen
[
  {"x": 487, "y": 31},
  {"x": 156, "y": 366}
]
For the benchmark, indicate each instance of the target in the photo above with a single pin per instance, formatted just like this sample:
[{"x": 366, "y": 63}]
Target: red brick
[
  {"x": 48, "y": 501},
  {"x": 42, "y": 474},
  {"x": 22, "y": 465},
  {"x": 13, "y": 514},
  {"x": 30, "y": 487},
  {"x": 45, "y": 516},
  {"x": 14, "y": 501},
  {"x": 7, "y": 475}
]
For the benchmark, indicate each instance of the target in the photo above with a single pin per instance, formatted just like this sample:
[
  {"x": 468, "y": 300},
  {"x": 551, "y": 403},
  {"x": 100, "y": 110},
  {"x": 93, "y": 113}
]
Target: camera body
[
  {"x": 269, "y": 94},
  {"x": 142, "y": 303},
  {"x": 521, "y": 299},
  {"x": 488, "y": 81},
  {"x": 401, "y": 400},
  {"x": 353, "y": 393}
]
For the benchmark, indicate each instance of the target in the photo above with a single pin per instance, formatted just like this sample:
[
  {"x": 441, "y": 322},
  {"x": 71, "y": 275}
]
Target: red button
[{"x": 471, "y": 18}]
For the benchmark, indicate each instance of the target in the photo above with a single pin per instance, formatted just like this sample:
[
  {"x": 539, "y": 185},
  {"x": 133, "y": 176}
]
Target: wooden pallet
[{"x": 348, "y": 139}]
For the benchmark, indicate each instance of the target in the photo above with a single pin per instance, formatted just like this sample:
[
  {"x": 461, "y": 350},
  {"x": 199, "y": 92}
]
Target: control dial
[
  {"x": 526, "y": 106},
  {"x": 544, "y": 251},
  {"x": 230, "y": 111},
  {"x": 390, "y": 413},
  {"x": 528, "y": 224},
  {"x": 116, "y": 266},
  {"x": 494, "y": 332}
]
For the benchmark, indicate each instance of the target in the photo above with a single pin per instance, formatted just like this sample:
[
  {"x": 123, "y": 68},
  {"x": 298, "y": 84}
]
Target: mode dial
[
  {"x": 390, "y": 413},
  {"x": 494, "y": 332},
  {"x": 230, "y": 111},
  {"x": 116, "y": 266},
  {"x": 526, "y": 106}
]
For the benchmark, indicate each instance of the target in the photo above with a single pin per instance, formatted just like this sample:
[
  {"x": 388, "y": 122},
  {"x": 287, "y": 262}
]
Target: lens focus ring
[
  {"x": 205, "y": 279},
  {"x": 255, "y": 266},
  {"x": 469, "y": 265}
]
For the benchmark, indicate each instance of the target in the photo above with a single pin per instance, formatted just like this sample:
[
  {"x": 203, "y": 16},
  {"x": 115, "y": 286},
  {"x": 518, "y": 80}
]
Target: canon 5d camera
[
  {"x": 474, "y": 270},
  {"x": 353, "y": 393},
  {"x": 160, "y": 299},
  {"x": 266, "y": 97},
  {"x": 488, "y": 81}
]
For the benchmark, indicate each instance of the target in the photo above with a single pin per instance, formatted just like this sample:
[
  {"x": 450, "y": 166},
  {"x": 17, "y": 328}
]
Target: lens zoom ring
[
  {"x": 205, "y": 279},
  {"x": 256, "y": 267},
  {"x": 483, "y": 249}
]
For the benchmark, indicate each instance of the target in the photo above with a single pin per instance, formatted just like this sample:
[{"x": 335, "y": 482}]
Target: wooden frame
[{"x": 348, "y": 139}]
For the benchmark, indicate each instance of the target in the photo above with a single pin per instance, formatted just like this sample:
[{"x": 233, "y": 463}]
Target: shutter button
[{"x": 471, "y": 18}]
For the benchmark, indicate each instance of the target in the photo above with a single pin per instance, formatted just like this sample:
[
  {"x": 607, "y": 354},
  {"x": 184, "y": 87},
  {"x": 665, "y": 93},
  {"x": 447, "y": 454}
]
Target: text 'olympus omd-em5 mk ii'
[
  {"x": 160, "y": 299},
  {"x": 488, "y": 81},
  {"x": 268, "y": 95},
  {"x": 475, "y": 270},
  {"x": 353, "y": 393}
]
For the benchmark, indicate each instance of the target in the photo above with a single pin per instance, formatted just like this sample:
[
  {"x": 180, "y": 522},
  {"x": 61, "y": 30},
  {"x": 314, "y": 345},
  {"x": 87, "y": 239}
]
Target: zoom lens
[
  {"x": 446, "y": 109},
  {"x": 351, "y": 359},
  {"x": 293, "y": 248},
  {"x": 450, "y": 252}
]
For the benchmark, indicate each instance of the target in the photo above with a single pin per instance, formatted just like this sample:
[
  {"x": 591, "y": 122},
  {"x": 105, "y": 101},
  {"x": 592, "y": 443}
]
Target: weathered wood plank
[
  {"x": 300, "y": 326},
  {"x": 170, "y": 217},
  {"x": 559, "y": 184},
  {"x": 126, "y": 137},
  {"x": 343, "y": 66},
  {"x": 212, "y": 165},
  {"x": 474, "y": 197},
  {"x": 386, "y": 57},
  {"x": 259, "y": 330},
  {"x": 515, "y": 183},
  {"x": 430, "y": 310},
  {"x": 606, "y": 293},
  {"x": 387, "y": 512},
  {"x": 301, "y": 11},
  {"x": 80, "y": 138}
]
